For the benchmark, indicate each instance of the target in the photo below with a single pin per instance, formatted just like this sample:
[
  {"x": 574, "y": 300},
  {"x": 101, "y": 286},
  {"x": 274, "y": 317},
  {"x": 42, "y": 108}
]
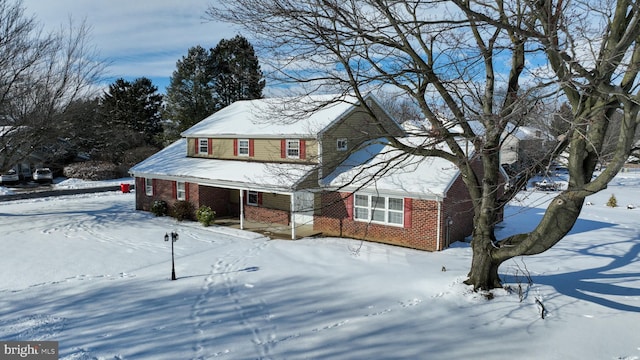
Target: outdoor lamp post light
[{"x": 174, "y": 238}]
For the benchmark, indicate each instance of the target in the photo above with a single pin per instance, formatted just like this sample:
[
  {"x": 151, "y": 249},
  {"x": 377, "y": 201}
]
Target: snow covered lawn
[{"x": 93, "y": 274}]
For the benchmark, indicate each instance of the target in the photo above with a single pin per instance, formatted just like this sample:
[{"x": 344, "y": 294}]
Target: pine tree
[
  {"x": 205, "y": 82},
  {"x": 237, "y": 71},
  {"x": 132, "y": 115},
  {"x": 613, "y": 202},
  {"x": 190, "y": 94}
]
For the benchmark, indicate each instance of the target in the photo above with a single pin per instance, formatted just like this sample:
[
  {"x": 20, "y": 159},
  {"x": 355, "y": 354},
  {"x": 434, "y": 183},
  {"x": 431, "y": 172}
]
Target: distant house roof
[
  {"x": 381, "y": 168},
  {"x": 520, "y": 132},
  {"x": 172, "y": 162},
  {"x": 300, "y": 117}
]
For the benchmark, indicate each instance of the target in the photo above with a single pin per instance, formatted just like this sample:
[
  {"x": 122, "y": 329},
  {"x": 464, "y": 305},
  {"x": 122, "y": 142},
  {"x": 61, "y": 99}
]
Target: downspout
[
  {"x": 320, "y": 164},
  {"x": 293, "y": 216},
  {"x": 241, "y": 209},
  {"x": 438, "y": 228}
]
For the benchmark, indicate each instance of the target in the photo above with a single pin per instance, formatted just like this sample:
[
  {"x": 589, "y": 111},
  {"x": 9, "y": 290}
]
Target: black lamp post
[{"x": 174, "y": 238}]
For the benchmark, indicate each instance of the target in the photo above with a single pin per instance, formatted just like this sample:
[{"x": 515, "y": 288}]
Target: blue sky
[{"x": 137, "y": 37}]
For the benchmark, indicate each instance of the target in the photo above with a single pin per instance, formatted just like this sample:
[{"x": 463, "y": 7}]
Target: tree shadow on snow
[
  {"x": 603, "y": 285},
  {"x": 519, "y": 219}
]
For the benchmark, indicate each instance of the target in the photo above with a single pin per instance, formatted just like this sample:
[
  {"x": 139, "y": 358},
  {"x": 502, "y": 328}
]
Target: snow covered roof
[
  {"x": 301, "y": 117},
  {"x": 381, "y": 168},
  {"x": 519, "y": 132},
  {"x": 172, "y": 162}
]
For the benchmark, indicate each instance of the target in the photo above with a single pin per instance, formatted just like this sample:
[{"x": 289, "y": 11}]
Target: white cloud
[{"x": 138, "y": 38}]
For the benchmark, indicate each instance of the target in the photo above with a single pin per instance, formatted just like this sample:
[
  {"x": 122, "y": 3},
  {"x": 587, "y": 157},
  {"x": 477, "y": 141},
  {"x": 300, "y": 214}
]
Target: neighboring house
[
  {"x": 524, "y": 145},
  {"x": 266, "y": 161},
  {"x": 17, "y": 155},
  {"x": 521, "y": 145}
]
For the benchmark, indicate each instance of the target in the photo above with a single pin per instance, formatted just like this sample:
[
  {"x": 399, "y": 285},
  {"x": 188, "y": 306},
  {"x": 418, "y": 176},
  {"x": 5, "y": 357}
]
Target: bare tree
[
  {"x": 40, "y": 75},
  {"x": 463, "y": 61}
]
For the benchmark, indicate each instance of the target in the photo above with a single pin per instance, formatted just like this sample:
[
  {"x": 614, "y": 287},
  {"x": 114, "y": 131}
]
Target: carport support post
[
  {"x": 241, "y": 209},
  {"x": 293, "y": 216}
]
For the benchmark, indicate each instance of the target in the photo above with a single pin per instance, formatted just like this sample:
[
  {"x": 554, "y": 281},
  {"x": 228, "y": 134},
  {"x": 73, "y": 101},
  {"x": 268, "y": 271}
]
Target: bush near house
[
  {"x": 91, "y": 170},
  {"x": 183, "y": 210},
  {"x": 159, "y": 208},
  {"x": 205, "y": 215}
]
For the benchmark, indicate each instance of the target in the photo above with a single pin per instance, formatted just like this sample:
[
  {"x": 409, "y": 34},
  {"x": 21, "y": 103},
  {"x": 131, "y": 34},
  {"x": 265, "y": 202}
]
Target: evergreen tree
[
  {"x": 207, "y": 81},
  {"x": 132, "y": 114},
  {"x": 237, "y": 71},
  {"x": 135, "y": 106},
  {"x": 190, "y": 94}
]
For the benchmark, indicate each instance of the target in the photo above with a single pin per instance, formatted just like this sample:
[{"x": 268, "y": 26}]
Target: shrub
[
  {"x": 205, "y": 215},
  {"x": 159, "y": 208},
  {"x": 183, "y": 210},
  {"x": 91, "y": 170},
  {"x": 613, "y": 202}
]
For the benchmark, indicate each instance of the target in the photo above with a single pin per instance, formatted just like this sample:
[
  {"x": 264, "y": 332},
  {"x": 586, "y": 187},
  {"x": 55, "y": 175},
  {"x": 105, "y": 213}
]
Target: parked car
[
  {"x": 43, "y": 175},
  {"x": 10, "y": 177}
]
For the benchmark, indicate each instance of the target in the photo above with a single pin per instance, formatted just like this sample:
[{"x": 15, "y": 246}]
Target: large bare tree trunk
[
  {"x": 451, "y": 64},
  {"x": 484, "y": 267}
]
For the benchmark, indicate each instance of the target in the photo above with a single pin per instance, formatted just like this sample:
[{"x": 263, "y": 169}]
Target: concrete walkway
[{"x": 276, "y": 231}]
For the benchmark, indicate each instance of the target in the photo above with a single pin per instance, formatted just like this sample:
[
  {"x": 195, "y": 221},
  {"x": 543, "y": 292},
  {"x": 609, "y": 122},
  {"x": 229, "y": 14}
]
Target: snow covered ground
[{"x": 93, "y": 274}]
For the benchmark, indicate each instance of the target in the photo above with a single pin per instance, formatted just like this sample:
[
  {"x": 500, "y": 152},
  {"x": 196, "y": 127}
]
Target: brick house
[
  {"x": 285, "y": 161},
  {"x": 381, "y": 194}
]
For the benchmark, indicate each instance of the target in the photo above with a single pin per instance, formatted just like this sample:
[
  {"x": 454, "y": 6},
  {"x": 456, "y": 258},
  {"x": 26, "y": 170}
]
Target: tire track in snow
[{"x": 227, "y": 302}]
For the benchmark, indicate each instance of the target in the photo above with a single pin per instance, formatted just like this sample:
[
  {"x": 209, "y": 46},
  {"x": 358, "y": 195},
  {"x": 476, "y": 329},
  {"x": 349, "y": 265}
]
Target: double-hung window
[
  {"x": 181, "y": 191},
  {"x": 243, "y": 147},
  {"x": 293, "y": 149},
  {"x": 252, "y": 198},
  {"x": 148, "y": 187},
  {"x": 379, "y": 209},
  {"x": 203, "y": 146}
]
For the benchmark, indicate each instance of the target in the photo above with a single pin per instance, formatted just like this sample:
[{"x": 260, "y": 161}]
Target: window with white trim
[
  {"x": 203, "y": 146},
  {"x": 243, "y": 147},
  {"x": 293, "y": 149},
  {"x": 379, "y": 209},
  {"x": 181, "y": 191},
  {"x": 148, "y": 187},
  {"x": 341, "y": 144},
  {"x": 252, "y": 198}
]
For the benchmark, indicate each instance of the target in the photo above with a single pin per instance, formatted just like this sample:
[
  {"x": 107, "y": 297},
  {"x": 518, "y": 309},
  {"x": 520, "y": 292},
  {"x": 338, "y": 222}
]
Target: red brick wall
[
  {"x": 458, "y": 208},
  {"x": 266, "y": 215},
  {"x": 163, "y": 190},
  {"x": 218, "y": 199},
  {"x": 334, "y": 220}
]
